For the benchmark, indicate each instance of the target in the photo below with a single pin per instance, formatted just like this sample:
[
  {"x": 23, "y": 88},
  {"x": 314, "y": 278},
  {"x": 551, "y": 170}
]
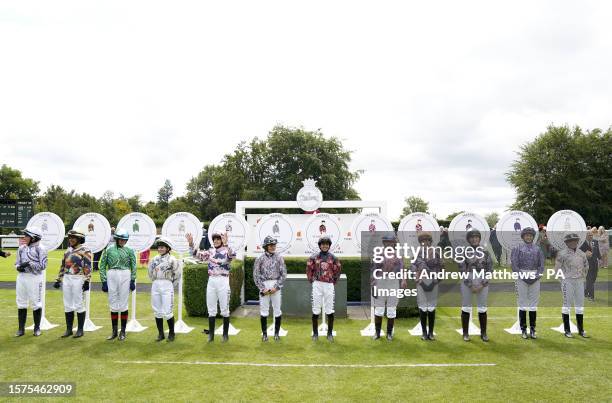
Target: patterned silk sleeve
[
  {"x": 337, "y": 269},
  {"x": 103, "y": 264},
  {"x": 514, "y": 256},
  {"x": 62, "y": 270},
  {"x": 133, "y": 265},
  {"x": 283, "y": 273},
  {"x": 41, "y": 261},
  {"x": 540, "y": 262},
  {"x": 87, "y": 259},
  {"x": 151, "y": 268},
  {"x": 257, "y": 273},
  {"x": 310, "y": 268}
]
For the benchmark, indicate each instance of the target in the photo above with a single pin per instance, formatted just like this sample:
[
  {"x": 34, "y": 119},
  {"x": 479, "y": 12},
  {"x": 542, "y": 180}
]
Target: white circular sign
[
  {"x": 562, "y": 223},
  {"x": 232, "y": 224},
  {"x": 322, "y": 224},
  {"x": 508, "y": 228},
  {"x": 462, "y": 223},
  {"x": 97, "y": 231},
  {"x": 141, "y": 228},
  {"x": 177, "y": 226},
  {"x": 309, "y": 197},
  {"x": 278, "y": 226},
  {"x": 52, "y": 228},
  {"x": 414, "y": 223},
  {"x": 369, "y": 223}
]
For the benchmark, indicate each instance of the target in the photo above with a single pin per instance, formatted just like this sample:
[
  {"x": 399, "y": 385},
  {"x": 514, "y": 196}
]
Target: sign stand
[
  {"x": 323, "y": 326},
  {"x": 281, "y": 332},
  {"x": 89, "y": 325},
  {"x": 561, "y": 329},
  {"x": 180, "y": 326},
  {"x": 133, "y": 325},
  {"x": 473, "y": 330},
  {"x": 44, "y": 323},
  {"x": 370, "y": 329},
  {"x": 516, "y": 327}
]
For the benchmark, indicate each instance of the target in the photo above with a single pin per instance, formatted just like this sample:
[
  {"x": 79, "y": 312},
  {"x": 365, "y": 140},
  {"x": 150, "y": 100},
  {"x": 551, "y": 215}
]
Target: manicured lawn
[{"x": 550, "y": 368}]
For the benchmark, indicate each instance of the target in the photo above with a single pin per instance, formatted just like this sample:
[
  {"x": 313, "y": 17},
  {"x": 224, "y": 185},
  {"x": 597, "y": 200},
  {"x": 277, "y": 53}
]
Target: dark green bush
[
  {"x": 195, "y": 277},
  {"x": 351, "y": 266}
]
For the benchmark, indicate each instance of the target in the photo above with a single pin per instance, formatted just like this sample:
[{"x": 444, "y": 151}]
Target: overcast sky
[{"x": 434, "y": 98}]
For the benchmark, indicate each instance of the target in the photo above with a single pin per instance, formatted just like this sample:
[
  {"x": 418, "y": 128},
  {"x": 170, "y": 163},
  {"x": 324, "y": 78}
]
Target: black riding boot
[
  {"x": 315, "y": 327},
  {"x": 377, "y": 326},
  {"x": 37, "y": 315},
  {"x": 431, "y": 319},
  {"x": 22, "y": 314},
  {"x": 69, "y": 322},
  {"x": 263, "y": 320},
  {"x": 465, "y": 324},
  {"x": 171, "y": 334},
  {"x": 80, "y": 324},
  {"x": 482, "y": 318},
  {"x": 532, "y": 324},
  {"x": 226, "y": 322},
  {"x": 277, "y": 326},
  {"x": 114, "y": 320},
  {"x": 390, "y": 323},
  {"x": 523, "y": 322},
  {"x": 124, "y": 319},
  {"x": 330, "y": 327},
  {"x": 423, "y": 318},
  {"x": 211, "y": 329},
  {"x": 580, "y": 325},
  {"x": 160, "y": 329},
  {"x": 566, "y": 325}
]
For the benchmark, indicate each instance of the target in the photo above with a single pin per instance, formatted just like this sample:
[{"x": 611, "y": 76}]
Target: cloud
[{"x": 433, "y": 98}]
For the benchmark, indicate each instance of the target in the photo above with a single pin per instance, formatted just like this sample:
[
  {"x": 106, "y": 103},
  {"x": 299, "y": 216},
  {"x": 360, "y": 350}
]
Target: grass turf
[{"x": 550, "y": 368}]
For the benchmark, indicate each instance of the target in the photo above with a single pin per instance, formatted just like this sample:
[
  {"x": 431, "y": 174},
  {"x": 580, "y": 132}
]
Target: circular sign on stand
[
  {"x": 414, "y": 223},
  {"x": 52, "y": 227},
  {"x": 369, "y": 223},
  {"x": 177, "y": 226},
  {"x": 509, "y": 226},
  {"x": 97, "y": 231},
  {"x": 232, "y": 224},
  {"x": 462, "y": 223},
  {"x": 562, "y": 223},
  {"x": 142, "y": 230},
  {"x": 309, "y": 197},
  {"x": 319, "y": 225},
  {"x": 278, "y": 226}
]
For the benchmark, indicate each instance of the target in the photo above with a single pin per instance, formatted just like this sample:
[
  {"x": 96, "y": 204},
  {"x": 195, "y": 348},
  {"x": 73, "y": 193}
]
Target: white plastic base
[
  {"x": 515, "y": 329},
  {"x": 44, "y": 325},
  {"x": 88, "y": 326},
  {"x": 417, "y": 331},
  {"x": 473, "y": 330},
  {"x": 134, "y": 326},
  {"x": 181, "y": 327},
  {"x": 323, "y": 330},
  {"x": 231, "y": 330},
  {"x": 281, "y": 332},
  {"x": 561, "y": 329},
  {"x": 370, "y": 330}
]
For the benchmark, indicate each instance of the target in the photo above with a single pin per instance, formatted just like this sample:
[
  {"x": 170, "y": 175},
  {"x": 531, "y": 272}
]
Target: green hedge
[
  {"x": 297, "y": 265},
  {"x": 195, "y": 277},
  {"x": 351, "y": 266}
]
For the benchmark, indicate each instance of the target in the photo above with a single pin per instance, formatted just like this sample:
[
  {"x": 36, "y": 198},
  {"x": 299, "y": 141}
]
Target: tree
[
  {"x": 414, "y": 204},
  {"x": 565, "y": 168},
  {"x": 164, "y": 195},
  {"x": 14, "y": 186},
  {"x": 492, "y": 219},
  {"x": 453, "y": 215},
  {"x": 273, "y": 169}
]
